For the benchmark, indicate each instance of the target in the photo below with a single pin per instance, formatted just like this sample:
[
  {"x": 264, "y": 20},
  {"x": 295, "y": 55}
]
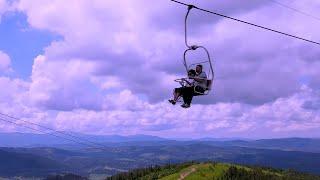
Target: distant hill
[
  {"x": 288, "y": 144},
  {"x": 13, "y": 163},
  {"x": 47, "y": 154},
  {"x": 209, "y": 171},
  {"x": 40, "y": 140},
  {"x": 112, "y": 160}
]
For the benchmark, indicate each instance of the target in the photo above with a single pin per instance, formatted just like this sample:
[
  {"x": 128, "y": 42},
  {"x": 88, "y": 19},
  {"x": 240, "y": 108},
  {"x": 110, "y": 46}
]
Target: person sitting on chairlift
[
  {"x": 196, "y": 87},
  {"x": 178, "y": 92}
]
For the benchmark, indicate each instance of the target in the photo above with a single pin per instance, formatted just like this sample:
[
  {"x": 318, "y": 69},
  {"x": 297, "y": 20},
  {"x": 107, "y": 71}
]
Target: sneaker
[
  {"x": 185, "y": 105},
  {"x": 172, "y": 101}
]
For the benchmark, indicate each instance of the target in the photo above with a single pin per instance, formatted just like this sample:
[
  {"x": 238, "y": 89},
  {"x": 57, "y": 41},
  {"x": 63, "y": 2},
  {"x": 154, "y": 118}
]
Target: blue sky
[
  {"x": 22, "y": 43},
  {"x": 108, "y": 67}
]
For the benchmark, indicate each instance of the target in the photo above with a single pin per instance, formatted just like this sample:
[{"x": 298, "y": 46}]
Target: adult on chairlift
[{"x": 195, "y": 86}]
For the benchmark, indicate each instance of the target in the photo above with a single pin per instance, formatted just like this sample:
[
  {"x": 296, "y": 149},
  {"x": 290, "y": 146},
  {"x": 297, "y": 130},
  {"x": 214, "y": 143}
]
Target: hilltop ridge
[{"x": 211, "y": 170}]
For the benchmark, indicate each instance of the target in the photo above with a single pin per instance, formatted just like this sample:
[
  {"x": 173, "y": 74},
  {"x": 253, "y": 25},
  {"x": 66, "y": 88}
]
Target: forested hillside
[{"x": 218, "y": 171}]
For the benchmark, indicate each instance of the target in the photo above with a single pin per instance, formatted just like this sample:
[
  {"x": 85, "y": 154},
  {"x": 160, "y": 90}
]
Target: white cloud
[
  {"x": 136, "y": 51},
  {"x": 12, "y": 89},
  {"x": 14, "y": 101},
  {"x": 63, "y": 85},
  {"x": 124, "y": 100},
  {"x": 5, "y": 62},
  {"x": 125, "y": 113},
  {"x": 282, "y": 118}
]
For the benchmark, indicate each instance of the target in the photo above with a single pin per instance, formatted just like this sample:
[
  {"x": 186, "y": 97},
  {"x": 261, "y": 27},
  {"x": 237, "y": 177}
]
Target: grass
[
  {"x": 217, "y": 171},
  {"x": 202, "y": 171},
  {"x": 214, "y": 171}
]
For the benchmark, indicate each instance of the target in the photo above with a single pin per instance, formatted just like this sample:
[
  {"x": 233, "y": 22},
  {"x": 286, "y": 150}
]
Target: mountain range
[{"x": 40, "y": 155}]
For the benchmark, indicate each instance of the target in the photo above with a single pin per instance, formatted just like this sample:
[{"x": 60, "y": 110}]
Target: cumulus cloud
[
  {"x": 125, "y": 113},
  {"x": 13, "y": 89},
  {"x": 5, "y": 62},
  {"x": 282, "y": 118},
  {"x": 256, "y": 66},
  {"x": 122, "y": 42},
  {"x": 63, "y": 85},
  {"x": 14, "y": 101}
]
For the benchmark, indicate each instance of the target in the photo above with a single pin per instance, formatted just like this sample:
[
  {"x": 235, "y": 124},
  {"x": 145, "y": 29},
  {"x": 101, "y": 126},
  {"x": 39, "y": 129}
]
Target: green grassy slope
[
  {"x": 221, "y": 171},
  {"x": 204, "y": 171},
  {"x": 215, "y": 171}
]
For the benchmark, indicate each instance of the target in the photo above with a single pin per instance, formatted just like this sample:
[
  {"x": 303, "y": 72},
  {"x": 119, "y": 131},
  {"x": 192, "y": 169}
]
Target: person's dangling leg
[
  {"x": 187, "y": 97},
  {"x": 189, "y": 100},
  {"x": 176, "y": 94},
  {"x": 190, "y": 95},
  {"x": 183, "y": 93}
]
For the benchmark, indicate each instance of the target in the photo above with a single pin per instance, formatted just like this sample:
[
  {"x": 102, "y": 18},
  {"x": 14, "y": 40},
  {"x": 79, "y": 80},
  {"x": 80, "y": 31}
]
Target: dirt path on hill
[{"x": 185, "y": 174}]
